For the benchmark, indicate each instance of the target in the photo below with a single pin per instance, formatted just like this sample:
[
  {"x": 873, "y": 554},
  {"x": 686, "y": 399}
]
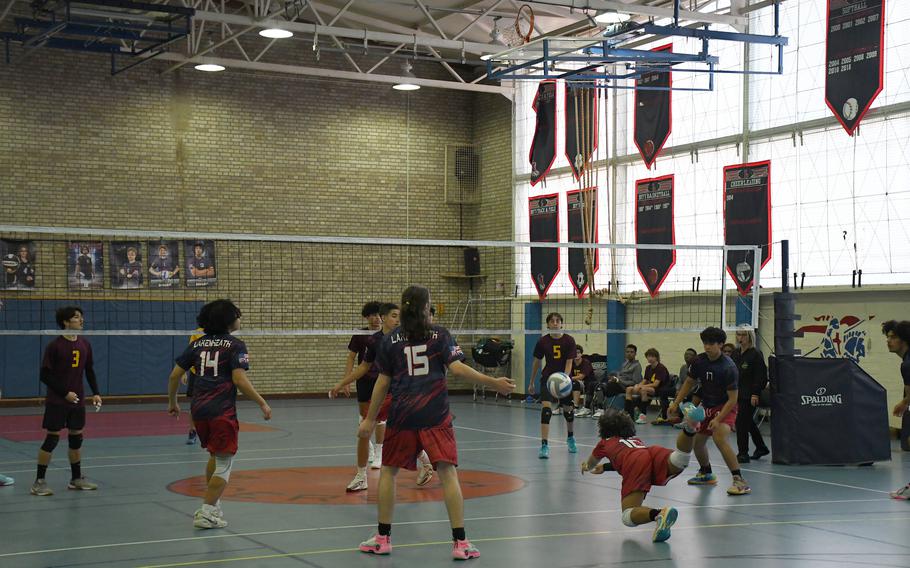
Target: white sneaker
[
  {"x": 208, "y": 520},
  {"x": 582, "y": 411},
  {"x": 359, "y": 483},
  {"x": 372, "y": 452},
  {"x": 598, "y": 413},
  {"x": 642, "y": 419},
  {"x": 558, "y": 410},
  {"x": 377, "y": 462},
  {"x": 425, "y": 475}
]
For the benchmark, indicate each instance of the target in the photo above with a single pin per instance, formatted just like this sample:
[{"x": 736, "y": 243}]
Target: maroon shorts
[
  {"x": 384, "y": 409},
  {"x": 643, "y": 469},
  {"x": 711, "y": 414},
  {"x": 218, "y": 435},
  {"x": 400, "y": 448}
]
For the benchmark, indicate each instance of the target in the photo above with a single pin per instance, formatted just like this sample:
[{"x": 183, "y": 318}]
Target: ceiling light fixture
[
  {"x": 409, "y": 80},
  {"x": 210, "y": 67},
  {"x": 611, "y": 17},
  {"x": 276, "y": 33}
]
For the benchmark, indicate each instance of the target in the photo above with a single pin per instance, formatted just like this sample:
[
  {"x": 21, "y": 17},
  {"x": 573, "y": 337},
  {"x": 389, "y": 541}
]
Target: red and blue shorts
[
  {"x": 642, "y": 469},
  {"x": 218, "y": 435},
  {"x": 401, "y": 447},
  {"x": 711, "y": 414}
]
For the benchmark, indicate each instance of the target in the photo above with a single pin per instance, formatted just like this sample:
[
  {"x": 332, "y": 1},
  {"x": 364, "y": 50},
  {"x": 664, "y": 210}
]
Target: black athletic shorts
[
  {"x": 546, "y": 396},
  {"x": 58, "y": 416},
  {"x": 190, "y": 384},
  {"x": 365, "y": 389}
]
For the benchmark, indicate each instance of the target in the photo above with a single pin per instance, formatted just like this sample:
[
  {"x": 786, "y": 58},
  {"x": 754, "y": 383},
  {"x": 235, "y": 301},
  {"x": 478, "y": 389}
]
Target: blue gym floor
[{"x": 795, "y": 516}]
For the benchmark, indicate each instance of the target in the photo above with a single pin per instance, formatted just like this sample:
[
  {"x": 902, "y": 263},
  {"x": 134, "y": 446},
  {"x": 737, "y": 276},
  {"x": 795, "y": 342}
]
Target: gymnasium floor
[{"x": 288, "y": 507}]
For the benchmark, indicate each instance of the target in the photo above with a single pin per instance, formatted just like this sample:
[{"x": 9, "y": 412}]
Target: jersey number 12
[{"x": 418, "y": 363}]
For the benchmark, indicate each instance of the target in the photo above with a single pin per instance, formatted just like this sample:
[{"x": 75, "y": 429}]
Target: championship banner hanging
[
  {"x": 581, "y": 127},
  {"x": 854, "y": 58},
  {"x": 653, "y": 112},
  {"x": 654, "y": 226},
  {"x": 578, "y": 272},
  {"x": 543, "y": 146},
  {"x": 747, "y": 219},
  {"x": 544, "y": 220}
]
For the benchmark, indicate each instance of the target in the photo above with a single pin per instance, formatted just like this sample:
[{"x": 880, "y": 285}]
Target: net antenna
[{"x": 519, "y": 33}]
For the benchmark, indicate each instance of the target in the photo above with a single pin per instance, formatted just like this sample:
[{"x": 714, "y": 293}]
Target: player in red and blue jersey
[
  {"x": 66, "y": 358},
  {"x": 717, "y": 379},
  {"x": 412, "y": 362},
  {"x": 641, "y": 466},
  {"x": 221, "y": 362}
]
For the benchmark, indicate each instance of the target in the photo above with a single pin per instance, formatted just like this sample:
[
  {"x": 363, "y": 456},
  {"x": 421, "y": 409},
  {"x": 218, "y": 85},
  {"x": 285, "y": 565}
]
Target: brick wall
[{"x": 252, "y": 153}]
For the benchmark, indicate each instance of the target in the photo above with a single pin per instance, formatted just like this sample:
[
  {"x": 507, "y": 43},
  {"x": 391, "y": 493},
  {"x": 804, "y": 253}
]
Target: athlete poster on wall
[
  {"x": 854, "y": 59},
  {"x": 200, "y": 263},
  {"x": 653, "y": 112},
  {"x": 164, "y": 265},
  {"x": 581, "y": 126},
  {"x": 85, "y": 265},
  {"x": 544, "y": 220},
  {"x": 654, "y": 225},
  {"x": 543, "y": 145},
  {"x": 17, "y": 259},
  {"x": 578, "y": 270},
  {"x": 126, "y": 265},
  {"x": 747, "y": 219}
]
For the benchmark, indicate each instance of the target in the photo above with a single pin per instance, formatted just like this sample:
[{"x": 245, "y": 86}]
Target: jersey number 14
[{"x": 208, "y": 360}]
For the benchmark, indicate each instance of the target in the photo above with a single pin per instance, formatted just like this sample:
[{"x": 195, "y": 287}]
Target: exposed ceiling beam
[
  {"x": 299, "y": 27},
  {"x": 335, "y": 74},
  {"x": 644, "y": 10}
]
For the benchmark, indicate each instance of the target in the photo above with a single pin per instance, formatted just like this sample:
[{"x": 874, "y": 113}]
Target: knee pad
[
  {"x": 545, "y": 415},
  {"x": 680, "y": 459},
  {"x": 569, "y": 414},
  {"x": 75, "y": 441},
  {"x": 50, "y": 442},
  {"x": 223, "y": 467},
  {"x": 627, "y": 518}
]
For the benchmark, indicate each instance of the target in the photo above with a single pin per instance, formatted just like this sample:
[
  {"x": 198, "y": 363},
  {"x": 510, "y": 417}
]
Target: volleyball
[
  {"x": 10, "y": 262},
  {"x": 560, "y": 385}
]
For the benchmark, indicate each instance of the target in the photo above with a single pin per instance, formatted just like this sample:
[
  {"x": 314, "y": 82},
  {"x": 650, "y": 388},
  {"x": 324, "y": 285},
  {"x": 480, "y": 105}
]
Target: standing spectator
[
  {"x": 898, "y": 338},
  {"x": 753, "y": 377}
]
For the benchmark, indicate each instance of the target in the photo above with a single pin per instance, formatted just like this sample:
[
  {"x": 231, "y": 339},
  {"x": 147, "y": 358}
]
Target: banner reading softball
[
  {"x": 653, "y": 112},
  {"x": 544, "y": 221},
  {"x": 747, "y": 219},
  {"x": 654, "y": 226},
  {"x": 578, "y": 272},
  {"x": 854, "y": 59}
]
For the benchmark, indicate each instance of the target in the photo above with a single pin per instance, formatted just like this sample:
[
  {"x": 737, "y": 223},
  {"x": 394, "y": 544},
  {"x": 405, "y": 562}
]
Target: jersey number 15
[{"x": 418, "y": 362}]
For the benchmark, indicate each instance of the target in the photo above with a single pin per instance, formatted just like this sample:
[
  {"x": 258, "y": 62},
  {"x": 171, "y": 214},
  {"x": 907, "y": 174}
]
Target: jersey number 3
[
  {"x": 75, "y": 358},
  {"x": 418, "y": 362}
]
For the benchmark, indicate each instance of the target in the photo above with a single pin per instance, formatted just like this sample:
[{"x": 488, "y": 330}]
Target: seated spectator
[
  {"x": 629, "y": 374},
  {"x": 728, "y": 349},
  {"x": 583, "y": 376},
  {"x": 655, "y": 375}
]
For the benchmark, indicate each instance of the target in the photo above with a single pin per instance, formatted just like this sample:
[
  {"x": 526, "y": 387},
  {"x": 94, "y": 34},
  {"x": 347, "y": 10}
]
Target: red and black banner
[
  {"x": 747, "y": 219},
  {"x": 854, "y": 61},
  {"x": 544, "y": 221},
  {"x": 653, "y": 111},
  {"x": 543, "y": 146},
  {"x": 654, "y": 226},
  {"x": 578, "y": 272},
  {"x": 581, "y": 126}
]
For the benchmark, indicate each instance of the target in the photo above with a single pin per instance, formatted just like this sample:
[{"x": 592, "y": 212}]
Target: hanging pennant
[
  {"x": 577, "y": 209},
  {"x": 854, "y": 58},
  {"x": 747, "y": 219},
  {"x": 543, "y": 146},
  {"x": 544, "y": 220},
  {"x": 581, "y": 126},
  {"x": 653, "y": 112},
  {"x": 654, "y": 226}
]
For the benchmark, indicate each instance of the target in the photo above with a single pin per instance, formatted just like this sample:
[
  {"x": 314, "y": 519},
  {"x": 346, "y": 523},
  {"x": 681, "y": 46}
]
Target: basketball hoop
[{"x": 520, "y": 32}]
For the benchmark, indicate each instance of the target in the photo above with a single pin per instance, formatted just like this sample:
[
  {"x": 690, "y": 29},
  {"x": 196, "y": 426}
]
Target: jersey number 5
[
  {"x": 418, "y": 363},
  {"x": 557, "y": 351},
  {"x": 208, "y": 361}
]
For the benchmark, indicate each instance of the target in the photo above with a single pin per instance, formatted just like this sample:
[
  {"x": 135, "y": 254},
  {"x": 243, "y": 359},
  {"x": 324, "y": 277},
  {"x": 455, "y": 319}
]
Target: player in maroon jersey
[
  {"x": 412, "y": 361},
  {"x": 641, "y": 466},
  {"x": 66, "y": 358},
  {"x": 558, "y": 349},
  {"x": 221, "y": 362}
]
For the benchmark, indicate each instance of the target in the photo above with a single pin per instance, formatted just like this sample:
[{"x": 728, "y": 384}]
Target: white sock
[
  {"x": 208, "y": 509},
  {"x": 361, "y": 471},
  {"x": 378, "y": 453}
]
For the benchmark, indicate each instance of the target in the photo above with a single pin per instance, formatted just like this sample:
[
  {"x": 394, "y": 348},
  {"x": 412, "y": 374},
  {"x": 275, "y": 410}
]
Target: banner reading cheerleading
[
  {"x": 578, "y": 272},
  {"x": 654, "y": 225},
  {"x": 543, "y": 146},
  {"x": 653, "y": 112},
  {"x": 544, "y": 225},
  {"x": 855, "y": 44},
  {"x": 747, "y": 219}
]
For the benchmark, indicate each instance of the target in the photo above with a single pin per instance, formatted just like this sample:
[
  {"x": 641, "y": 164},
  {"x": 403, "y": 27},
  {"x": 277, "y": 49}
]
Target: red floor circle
[{"x": 326, "y": 486}]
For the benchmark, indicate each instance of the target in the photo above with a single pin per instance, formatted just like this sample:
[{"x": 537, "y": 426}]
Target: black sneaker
[
  {"x": 759, "y": 452},
  {"x": 742, "y": 458}
]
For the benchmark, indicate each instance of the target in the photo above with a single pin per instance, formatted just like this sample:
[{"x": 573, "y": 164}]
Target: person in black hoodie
[{"x": 753, "y": 377}]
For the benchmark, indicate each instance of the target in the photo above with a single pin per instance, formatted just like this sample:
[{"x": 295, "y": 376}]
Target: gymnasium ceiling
[{"x": 363, "y": 40}]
